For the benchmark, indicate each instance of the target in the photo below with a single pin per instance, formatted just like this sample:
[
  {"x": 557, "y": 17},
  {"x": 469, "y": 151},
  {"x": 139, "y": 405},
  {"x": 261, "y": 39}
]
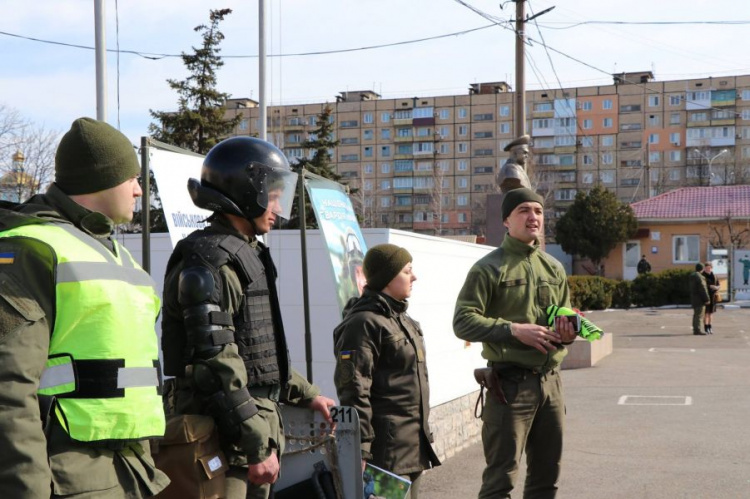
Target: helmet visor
[{"x": 276, "y": 191}]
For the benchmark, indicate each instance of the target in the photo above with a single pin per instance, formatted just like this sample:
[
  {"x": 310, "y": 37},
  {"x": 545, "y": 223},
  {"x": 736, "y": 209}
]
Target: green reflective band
[
  {"x": 132, "y": 377},
  {"x": 98, "y": 271},
  {"x": 58, "y": 376}
]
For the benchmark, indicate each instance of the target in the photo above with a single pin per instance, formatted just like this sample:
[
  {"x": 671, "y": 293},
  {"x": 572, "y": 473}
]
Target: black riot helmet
[{"x": 245, "y": 176}]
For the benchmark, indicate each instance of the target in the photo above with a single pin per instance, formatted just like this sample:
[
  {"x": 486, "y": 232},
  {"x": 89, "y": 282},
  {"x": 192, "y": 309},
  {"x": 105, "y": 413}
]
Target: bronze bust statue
[{"x": 513, "y": 172}]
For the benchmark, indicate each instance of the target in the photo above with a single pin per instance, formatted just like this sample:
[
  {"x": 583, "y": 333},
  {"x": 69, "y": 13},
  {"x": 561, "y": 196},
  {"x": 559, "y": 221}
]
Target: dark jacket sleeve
[
  {"x": 24, "y": 343},
  {"x": 357, "y": 349}
]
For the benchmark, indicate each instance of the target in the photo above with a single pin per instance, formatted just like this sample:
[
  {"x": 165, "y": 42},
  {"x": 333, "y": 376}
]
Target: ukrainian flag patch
[
  {"x": 345, "y": 354},
  {"x": 7, "y": 258}
]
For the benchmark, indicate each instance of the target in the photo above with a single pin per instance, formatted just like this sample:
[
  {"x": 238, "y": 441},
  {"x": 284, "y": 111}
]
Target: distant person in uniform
[
  {"x": 643, "y": 266},
  {"x": 713, "y": 289},
  {"x": 513, "y": 173},
  {"x": 699, "y": 298}
]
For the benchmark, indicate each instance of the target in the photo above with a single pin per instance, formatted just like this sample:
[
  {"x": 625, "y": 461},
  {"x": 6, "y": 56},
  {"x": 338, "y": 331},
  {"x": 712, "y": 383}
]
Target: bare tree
[
  {"x": 729, "y": 232},
  {"x": 437, "y": 192},
  {"x": 27, "y": 154}
]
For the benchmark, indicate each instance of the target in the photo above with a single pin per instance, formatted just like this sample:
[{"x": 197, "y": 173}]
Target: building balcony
[
  {"x": 565, "y": 150},
  {"x": 403, "y": 156},
  {"x": 403, "y": 139},
  {"x": 294, "y": 128},
  {"x": 403, "y": 121}
]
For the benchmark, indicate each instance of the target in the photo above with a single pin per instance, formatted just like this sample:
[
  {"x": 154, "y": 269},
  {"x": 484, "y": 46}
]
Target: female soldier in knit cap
[{"x": 381, "y": 368}]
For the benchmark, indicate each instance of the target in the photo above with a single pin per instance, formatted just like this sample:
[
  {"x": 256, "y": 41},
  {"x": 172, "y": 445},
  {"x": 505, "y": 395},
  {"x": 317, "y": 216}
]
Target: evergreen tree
[
  {"x": 595, "y": 224},
  {"x": 321, "y": 142},
  {"x": 199, "y": 122}
]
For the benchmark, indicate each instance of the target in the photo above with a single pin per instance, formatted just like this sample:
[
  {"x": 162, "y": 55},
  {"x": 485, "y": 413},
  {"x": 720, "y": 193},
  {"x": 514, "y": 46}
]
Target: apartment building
[{"x": 427, "y": 164}]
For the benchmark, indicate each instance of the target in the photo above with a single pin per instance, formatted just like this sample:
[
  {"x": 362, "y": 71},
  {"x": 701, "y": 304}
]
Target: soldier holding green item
[{"x": 503, "y": 304}]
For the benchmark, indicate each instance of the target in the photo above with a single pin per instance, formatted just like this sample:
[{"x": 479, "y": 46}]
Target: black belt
[
  {"x": 265, "y": 392},
  {"x": 511, "y": 369}
]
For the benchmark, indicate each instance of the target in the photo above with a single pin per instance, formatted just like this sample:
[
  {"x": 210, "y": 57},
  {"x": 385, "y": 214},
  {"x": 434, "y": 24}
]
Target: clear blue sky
[{"x": 54, "y": 84}]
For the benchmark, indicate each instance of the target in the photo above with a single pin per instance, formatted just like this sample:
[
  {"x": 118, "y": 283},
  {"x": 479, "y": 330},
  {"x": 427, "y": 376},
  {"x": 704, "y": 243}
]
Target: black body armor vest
[{"x": 259, "y": 332}]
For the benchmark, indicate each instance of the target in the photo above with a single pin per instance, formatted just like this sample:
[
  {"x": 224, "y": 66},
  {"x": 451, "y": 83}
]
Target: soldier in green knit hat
[
  {"x": 503, "y": 304},
  {"x": 79, "y": 376},
  {"x": 381, "y": 369}
]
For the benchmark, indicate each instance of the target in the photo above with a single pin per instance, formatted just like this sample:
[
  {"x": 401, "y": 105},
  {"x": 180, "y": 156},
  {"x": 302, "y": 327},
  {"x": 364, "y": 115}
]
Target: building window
[
  {"x": 463, "y": 165},
  {"x": 368, "y": 134},
  {"x": 404, "y": 165},
  {"x": 349, "y": 140},
  {"x": 607, "y": 123},
  {"x": 368, "y": 152},
  {"x": 674, "y": 175},
  {"x": 243, "y": 124},
  {"x": 653, "y": 100},
  {"x": 587, "y": 141},
  {"x": 463, "y": 130},
  {"x": 653, "y": 138},
  {"x": 385, "y": 133},
  {"x": 607, "y": 104},
  {"x": 367, "y": 118},
  {"x": 385, "y": 167},
  {"x": 368, "y": 168},
  {"x": 483, "y": 117},
  {"x": 675, "y": 99},
  {"x": 462, "y": 112},
  {"x": 608, "y": 140},
  {"x": 588, "y": 178},
  {"x": 588, "y": 124},
  {"x": 444, "y": 149},
  {"x": 423, "y": 147},
  {"x": 565, "y": 194},
  {"x": 674, "y": 119},
  {"x": 653, "y": 120},
  {"x": 504, "y": 128},
  {"x": 588, "y": 159},
  {"x": 444, "y": 132},
  {"x": 368, "y": 185},
  {"x": 403, "y": 183},
  {"x": 503, "y": 110},
  {"x": 462, "y": 200},
  {"x": 685, "y": 249},
  {"x": 385, "y": 151},
  {"x": 484, "y": 152},
  {"x": 607, "y": 158},
  {"x": 483, "y": 135},
  {"x": 445, "y": 114},
  {"x": 543, "y": 107},
  {"x": 463, "y": 182},
  {"x": 350, "y": 157},
  {"x": 462, "y": 218},
  {"x": 385, "y": 184},
  {"x": 423, "y": 112},
  {"x": 675, "y": 156},
  {"x": 385, "y": 117},
  {"x": 607, "y": 177},
  {"x": 349, "y": 124},
  {"x": 566, "y": 160},
  {"x": 462, "y": 147},
  {"x": 654, "y": 157},
  {"x": 402, "y": 114},
  {"x": 385, "y": 202},
  {"x": 586, "y": 105}
]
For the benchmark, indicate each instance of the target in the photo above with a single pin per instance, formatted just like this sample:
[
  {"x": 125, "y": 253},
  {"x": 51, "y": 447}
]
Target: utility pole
[
  {"x": 101, "y": 61},
  {"x": 262, "y": 69},
  {"x": 520, "y": 122},
  {"x": 648, "y": 169}
]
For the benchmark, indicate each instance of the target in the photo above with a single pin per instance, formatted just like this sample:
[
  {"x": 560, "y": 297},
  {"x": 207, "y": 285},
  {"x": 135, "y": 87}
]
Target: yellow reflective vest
[{"x": 103, "y": 363}]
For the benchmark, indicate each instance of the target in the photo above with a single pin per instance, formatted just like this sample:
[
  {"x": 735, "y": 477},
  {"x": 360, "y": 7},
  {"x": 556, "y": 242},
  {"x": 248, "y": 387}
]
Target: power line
[
  {"x": 642, "y": 23},
  {"x": 157, "y": 56}
]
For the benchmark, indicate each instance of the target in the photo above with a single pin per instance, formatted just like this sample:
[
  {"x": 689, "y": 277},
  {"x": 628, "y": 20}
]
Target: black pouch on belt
[{"x": 489, "y": 379}]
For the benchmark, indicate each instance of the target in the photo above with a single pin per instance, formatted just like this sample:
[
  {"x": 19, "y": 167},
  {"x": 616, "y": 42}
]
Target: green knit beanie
[
  {"x": 382, "y": 263},
  {"x": 514, "y": 197},
  {"x": 93, "y": 156}
]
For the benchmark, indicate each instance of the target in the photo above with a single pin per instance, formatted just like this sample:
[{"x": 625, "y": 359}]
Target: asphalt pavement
[{"x": 665, "y": 416}]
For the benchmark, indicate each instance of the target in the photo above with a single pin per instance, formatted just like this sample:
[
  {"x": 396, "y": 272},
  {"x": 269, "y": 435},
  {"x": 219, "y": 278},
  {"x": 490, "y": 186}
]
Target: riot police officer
[{"x": 223, "y": 337}]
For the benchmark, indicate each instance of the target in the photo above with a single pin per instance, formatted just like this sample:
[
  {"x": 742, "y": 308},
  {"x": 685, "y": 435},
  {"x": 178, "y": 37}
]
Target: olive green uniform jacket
[
  {"x": 381, "y": 371},
  {"x": 30, "y": 463},
  {"x": 262, "y": 433},
  {"x": 698, "y": 290},
  {"x": 514, "y": 283}
]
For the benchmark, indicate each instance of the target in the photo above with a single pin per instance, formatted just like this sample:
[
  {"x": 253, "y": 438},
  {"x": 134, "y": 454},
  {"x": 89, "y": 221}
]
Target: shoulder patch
[{"x": 7, "y": 258}]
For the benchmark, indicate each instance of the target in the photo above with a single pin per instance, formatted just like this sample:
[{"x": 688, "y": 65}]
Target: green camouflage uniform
[
  {"x": 31, "y": 465},
  {"x": 516, "y": 283}
]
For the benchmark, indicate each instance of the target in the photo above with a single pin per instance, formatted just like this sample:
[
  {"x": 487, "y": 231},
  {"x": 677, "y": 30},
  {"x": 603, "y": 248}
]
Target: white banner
[{"x": 172, "y": 171}]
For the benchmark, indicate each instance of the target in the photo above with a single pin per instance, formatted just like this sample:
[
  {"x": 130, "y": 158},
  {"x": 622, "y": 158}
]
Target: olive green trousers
[{"x": 531, "y": 422}]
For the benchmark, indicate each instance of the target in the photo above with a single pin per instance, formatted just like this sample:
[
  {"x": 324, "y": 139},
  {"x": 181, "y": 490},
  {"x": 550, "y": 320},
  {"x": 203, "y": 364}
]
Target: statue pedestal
[{"x": 585, "y": 354}]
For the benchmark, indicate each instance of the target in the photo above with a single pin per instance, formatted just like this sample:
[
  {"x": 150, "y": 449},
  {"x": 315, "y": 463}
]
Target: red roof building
[{"x": 677, "y": 228}]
